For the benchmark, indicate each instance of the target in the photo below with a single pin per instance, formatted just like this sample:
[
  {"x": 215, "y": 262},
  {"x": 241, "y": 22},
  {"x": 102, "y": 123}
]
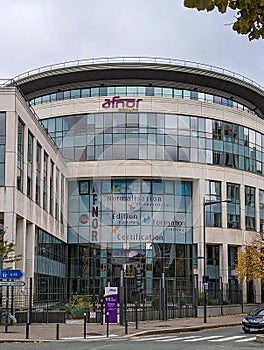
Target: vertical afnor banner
[{"x": 111, "y": 300}]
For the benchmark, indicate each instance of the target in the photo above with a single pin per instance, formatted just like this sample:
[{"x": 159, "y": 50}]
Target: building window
[
  {"x": 57, "y": 194},
  {"x": 45, "y": 181},
  {"x": 38, "y": 170},
  {"x": 213, "y": 255},
  {"x": 157, "y": 136},
  {"x": 20, "y": 155},
  {"x": 83, "y": 187},
  {"x": 51, "y": 187},
  {"x": 232, "y": 258},
  {"x": 250, "y": 208},
  {"x": 233, "y": 208},
  {"x": 2, "y": 147},
  {"x": 212, "y": 261},
  {"x": 29, "y": 165},
  {"x": 49, "y": 268},
  {"x": 62, "y": 198},
  {"x": 213, "y": 212},
  {"x": 261, "y": 210}
]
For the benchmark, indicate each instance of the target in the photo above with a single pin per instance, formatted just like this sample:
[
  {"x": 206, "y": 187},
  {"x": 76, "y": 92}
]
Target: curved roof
[{"x": 132, "y": 70}]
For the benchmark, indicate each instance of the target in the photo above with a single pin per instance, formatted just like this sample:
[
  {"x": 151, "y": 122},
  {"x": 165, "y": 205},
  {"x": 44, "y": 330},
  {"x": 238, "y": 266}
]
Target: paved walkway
[{"x": 74, "y": 330}]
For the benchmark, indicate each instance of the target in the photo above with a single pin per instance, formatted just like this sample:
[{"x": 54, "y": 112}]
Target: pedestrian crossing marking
[
  {"x": 204, "y": 338},
  {"x": 195, "y": 338},
  {"x": 179, "y": 338},
  {"x": 245, "y": 340},
  {"x": 151, "y": 338},
  {"x": 228, "y": 338}
]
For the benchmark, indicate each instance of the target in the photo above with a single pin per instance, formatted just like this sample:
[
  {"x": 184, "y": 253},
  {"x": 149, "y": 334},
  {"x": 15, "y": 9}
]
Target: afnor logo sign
[{"x": 121, "y": 103}]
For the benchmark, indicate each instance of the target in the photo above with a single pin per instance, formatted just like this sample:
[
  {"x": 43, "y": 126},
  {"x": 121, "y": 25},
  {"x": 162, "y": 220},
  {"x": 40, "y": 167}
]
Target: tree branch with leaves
[
  {"x": 7, "y": 251},
  {"x": 250, "y": 261},
  {"x": 249, "y": 19}
]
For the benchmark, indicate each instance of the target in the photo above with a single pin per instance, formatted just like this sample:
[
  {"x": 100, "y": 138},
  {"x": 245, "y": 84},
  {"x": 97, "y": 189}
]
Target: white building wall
[{"x": 21, "y": 214}]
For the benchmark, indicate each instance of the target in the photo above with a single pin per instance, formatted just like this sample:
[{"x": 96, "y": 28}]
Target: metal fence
[{"x": 173, "y": 299}]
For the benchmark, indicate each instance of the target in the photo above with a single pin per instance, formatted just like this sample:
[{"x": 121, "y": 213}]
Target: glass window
[
  {"x": 261, "y": 210},
  {"x": 250, "y": 208},
  {"x": 67, "y": 94},
  {"x": 20, "y": 155},
  {"x": 83, "y": 187},
  {"x": 177, "y": 93},
  {"x": 170, "y": 121},
  {"x": 95, "y": 92},
  {"x": 85, "y": 92},
  {"x": 167, "y": 92},
  {"x": 38, "y": 172},
  {"x": 121, "y": 91},
  {"x": 186, "y": 94},
  {"x": 158, "y": 91},
  {"x": 194, "y": 95},
  {"x": 233, "y": 208},
  {"x": 212, "y": 255},
  {"x": 132, "y": 91},
  {"x": 149, "y": 91},
  {"x": 103, "y": 91},
  {"x": 76, "y": 93},
  {"x": 213, "y": 212}
]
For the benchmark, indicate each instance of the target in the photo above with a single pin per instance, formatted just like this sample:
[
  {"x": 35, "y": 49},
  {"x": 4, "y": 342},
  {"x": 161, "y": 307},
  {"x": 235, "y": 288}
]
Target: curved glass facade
[
  {"x": 138, "y": 91},
  {"x": 152, "y": 136}
]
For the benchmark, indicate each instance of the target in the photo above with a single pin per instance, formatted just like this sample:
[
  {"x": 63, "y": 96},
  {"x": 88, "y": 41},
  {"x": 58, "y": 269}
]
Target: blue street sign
[{"x": 11, "y": 274}]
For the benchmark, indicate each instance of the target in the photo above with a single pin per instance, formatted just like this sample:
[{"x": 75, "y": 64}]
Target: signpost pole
[{"x": 6, "y": 314}]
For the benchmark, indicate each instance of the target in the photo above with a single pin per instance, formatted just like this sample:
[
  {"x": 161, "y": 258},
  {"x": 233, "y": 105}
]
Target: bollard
[
  {"x": 136, "y": 310},
  {"x": 84, "y": 325},
  {"x": 107, "y": 324},
  {"x": 126, "y": 326},
  {"x": 27, "y": 330},
  {"x": 57, "y": 331}
]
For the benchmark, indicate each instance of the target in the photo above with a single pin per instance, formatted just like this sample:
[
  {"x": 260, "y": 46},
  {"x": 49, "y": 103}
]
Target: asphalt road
[{"x": 228, "y": 337}]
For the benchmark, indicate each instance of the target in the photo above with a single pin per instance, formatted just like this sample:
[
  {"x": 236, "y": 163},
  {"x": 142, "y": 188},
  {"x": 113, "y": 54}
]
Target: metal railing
[{"x": 132, "y": 59}]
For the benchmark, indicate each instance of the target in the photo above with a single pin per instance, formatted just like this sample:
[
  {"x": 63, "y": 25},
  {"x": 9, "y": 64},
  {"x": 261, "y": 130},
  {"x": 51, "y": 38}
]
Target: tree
[
  {"x": 7, "y": 251},
  {"x": 250, "y": 261},
  {"x": 249, "y": 14}
]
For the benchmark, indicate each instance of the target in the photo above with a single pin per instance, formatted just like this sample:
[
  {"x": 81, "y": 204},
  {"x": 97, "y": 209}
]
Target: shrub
[{"x": 78, "y": 306}]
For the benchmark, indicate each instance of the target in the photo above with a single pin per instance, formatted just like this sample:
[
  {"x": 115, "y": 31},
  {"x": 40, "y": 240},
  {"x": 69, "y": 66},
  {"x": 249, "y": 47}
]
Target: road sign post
[{"x": 10, "y": 275}]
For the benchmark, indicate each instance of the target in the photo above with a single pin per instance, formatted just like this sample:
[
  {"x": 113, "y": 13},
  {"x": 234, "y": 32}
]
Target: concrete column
[
  {"x": 224, "y": 262},
  {"x": 257, "y": 288},
  {"x": 21, "y": 243},
  {"x": 244, "y": 290},
  {"x": 30, "y": 251}
]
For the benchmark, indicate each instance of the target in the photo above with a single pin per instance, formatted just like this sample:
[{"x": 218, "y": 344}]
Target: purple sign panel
[{"x": 111, "y": 300}]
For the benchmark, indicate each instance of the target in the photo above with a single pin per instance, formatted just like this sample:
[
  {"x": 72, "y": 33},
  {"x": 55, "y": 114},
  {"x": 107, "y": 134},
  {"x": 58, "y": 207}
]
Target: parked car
[{"x": 254, "y": 321}]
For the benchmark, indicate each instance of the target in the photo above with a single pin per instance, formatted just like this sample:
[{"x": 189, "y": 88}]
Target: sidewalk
[{"x": 74, "y": 330}]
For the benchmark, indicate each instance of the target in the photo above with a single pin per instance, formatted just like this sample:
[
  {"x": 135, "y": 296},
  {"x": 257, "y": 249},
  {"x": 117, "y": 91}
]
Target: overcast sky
[{"x": 35, "y": 33}]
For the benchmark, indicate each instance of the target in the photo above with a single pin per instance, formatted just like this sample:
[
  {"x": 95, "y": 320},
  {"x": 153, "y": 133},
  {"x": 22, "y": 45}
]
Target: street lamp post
[{"x": 205, "y": 278}]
